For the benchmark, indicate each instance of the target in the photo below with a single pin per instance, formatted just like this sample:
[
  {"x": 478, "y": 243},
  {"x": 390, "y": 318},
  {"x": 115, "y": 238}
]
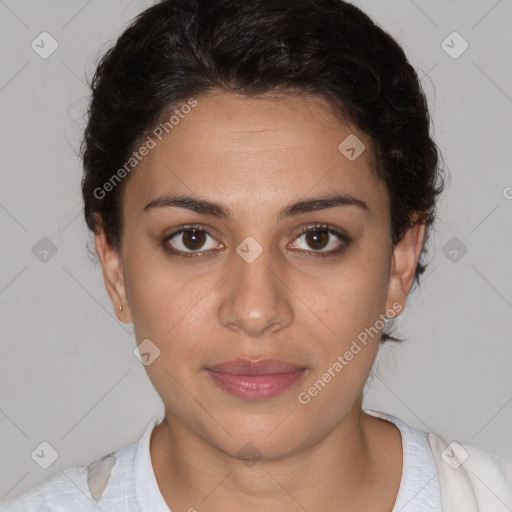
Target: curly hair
[{"x": 177, "y": 49}]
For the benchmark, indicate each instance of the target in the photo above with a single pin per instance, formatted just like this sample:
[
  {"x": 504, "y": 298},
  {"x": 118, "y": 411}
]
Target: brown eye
[
  {"x": 316, "y": 239},
  {"x": 190, "y": 240},
  {"x": 193, "y": 239}
]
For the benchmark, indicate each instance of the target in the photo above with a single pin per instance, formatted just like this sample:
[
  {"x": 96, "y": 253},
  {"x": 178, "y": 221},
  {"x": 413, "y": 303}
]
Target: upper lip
[{"x": 255, "y": 367}]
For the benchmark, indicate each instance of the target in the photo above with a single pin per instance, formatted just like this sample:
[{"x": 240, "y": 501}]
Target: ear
[
  {"x": 403, "y": 266},
  {"x": 113, "y": 275}
]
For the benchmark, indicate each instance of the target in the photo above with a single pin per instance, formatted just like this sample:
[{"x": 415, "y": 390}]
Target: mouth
[{"x": 255, "y": 380}]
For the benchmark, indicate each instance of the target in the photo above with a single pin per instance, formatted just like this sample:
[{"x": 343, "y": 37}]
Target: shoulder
[
  {"x": 79, "y": 488},
  {"x": 467, "y": 472},
  {"x": 419, "y": 485},
  {"x": 469, "y": 478},
  {"x": 58, "y": 493}
]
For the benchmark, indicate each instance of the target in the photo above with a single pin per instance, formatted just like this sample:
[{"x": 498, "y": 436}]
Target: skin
[{"x": 255, "y": 156}]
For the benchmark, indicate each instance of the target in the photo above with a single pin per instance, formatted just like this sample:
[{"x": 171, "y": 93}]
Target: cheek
[
  {"x": 158, "y": 295},
  {"x": 353, "y": 297},
  {"x": 168, "y": 309},
  {"x": 173, "y": 309},
  {"x": 351, "y": 306}
]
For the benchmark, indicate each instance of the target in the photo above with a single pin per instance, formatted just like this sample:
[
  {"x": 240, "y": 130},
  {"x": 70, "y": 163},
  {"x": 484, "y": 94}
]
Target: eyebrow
[{"x": 205, "y": 207}]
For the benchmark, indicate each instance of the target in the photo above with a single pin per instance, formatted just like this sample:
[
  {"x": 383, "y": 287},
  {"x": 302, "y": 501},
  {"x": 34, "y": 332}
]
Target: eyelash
[{"x": 344, "y": 240}]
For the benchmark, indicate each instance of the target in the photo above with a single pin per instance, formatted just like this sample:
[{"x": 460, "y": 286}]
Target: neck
[{"x": 357, "y": 465}]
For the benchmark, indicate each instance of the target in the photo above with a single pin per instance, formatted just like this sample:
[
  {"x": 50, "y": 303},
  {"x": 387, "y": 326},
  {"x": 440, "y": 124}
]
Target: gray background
[{"x": 68, "y": 374}]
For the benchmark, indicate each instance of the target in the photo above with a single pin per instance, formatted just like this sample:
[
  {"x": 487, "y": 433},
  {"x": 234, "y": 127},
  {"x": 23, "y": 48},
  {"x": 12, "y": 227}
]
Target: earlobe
[
  {"x": 113, "y": 275},
  {"x": 403, "y": 264}
]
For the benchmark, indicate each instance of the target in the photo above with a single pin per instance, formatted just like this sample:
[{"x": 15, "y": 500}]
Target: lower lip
[{"x": 255, "y": 387}]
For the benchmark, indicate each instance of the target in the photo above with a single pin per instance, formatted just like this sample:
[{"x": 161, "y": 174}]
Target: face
[{"x": 278, "y": 248}]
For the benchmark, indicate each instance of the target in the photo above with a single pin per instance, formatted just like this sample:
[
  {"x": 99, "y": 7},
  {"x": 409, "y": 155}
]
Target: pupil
[
  {"x": 193, "y": 239},
  {"x": 317, "y": 239}
]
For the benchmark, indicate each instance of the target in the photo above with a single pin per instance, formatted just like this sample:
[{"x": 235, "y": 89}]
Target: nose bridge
[{"x": 255, "y": 297}]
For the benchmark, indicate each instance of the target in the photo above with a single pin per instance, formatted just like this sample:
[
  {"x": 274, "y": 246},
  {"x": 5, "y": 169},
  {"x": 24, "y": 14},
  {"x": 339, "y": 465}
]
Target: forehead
[{"x": 262, "y": 151}]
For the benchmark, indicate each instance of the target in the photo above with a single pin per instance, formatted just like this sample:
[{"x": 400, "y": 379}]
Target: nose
[{"x": 255, "y": 297}]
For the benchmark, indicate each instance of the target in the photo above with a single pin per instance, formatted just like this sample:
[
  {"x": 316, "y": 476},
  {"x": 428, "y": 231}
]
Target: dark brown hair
[{"x": 178, "y": 49}]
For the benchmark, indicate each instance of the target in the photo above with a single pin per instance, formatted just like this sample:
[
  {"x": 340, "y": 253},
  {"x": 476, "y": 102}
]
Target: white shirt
[
  {"x": 419, "y": 487},
  {"x": 132, "y": 485}
]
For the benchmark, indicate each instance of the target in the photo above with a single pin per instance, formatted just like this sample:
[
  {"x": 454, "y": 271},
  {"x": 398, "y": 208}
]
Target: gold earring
[{"x": 121, "y": 308}]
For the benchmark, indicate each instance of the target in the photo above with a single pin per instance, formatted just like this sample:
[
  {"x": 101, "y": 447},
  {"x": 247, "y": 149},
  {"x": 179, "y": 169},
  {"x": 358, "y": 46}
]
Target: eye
[
  {"x": 322, "y": 239},
  {"x": 189, "y": 240}
]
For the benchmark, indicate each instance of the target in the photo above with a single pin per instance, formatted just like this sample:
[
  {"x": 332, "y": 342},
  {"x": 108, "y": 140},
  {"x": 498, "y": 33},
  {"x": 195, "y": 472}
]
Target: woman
[{"x": 261, "y": 182}]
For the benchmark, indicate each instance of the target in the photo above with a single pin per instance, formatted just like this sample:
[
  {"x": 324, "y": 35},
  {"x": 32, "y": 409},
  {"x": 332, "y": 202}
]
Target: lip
[{"x": 255, "y": 379}]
